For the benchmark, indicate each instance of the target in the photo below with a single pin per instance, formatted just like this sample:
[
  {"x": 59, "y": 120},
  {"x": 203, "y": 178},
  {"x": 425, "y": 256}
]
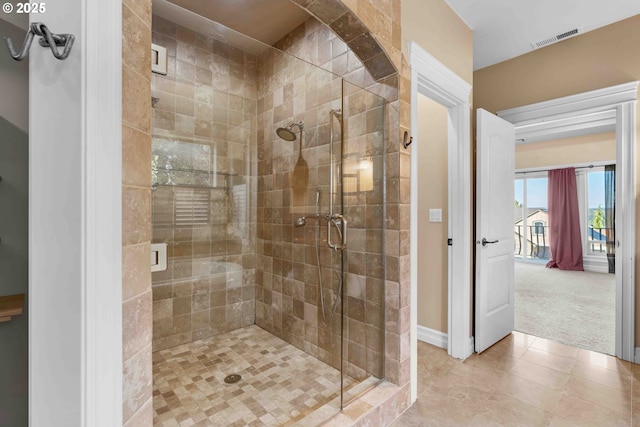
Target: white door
[{"x": 495, "y": 166}]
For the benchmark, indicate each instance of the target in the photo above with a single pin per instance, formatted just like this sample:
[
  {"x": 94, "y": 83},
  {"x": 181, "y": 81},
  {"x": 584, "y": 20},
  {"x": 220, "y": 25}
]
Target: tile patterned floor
[
  {"x": 280, "y": 384},
  {"x": 524, "y": 380}
]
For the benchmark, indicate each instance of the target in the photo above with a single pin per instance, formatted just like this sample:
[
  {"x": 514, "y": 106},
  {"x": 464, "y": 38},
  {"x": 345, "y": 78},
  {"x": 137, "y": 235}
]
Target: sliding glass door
[
  {"x": 532, "y": 215},
  {"x": 596, "y": 222},
  {"x": 531, "y": 220}
]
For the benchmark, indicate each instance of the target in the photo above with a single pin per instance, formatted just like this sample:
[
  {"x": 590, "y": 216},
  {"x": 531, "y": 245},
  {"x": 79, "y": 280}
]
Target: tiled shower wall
[
  {"x": 382, "y": 18},
  {"x": 195, "y": 123},
  {"x": 288, "y": 295},
  {"x": 204, "y": 140},
  {"x": 137, "y": 407}
]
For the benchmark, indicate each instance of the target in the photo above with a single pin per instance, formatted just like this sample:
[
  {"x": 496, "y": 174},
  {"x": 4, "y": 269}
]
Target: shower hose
[{"x": 330, "y": 223}]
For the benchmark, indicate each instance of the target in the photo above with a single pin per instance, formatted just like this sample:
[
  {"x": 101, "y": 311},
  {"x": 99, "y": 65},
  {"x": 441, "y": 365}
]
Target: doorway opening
[
  {"x": 431, "y": 78},
  {"x": 603, "y": 110},
  {"x": 433, "y": 218},
  {"x": 571, "y": 306}
]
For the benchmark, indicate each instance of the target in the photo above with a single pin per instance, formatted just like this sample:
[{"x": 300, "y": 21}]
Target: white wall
[
  {"x": 55, "y": 239},
  {"x": 75, "y": 220}
]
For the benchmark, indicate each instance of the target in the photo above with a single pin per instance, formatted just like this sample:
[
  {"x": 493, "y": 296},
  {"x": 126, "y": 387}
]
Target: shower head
[
  {"x": 287, "y": 133},
  {"x": 300, "y": 222}
]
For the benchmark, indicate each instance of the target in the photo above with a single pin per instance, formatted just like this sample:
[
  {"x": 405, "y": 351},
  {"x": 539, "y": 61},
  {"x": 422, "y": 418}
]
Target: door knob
[{"x": 485, "y": 242}]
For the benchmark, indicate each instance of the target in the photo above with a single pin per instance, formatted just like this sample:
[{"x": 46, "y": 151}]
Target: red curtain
[{"x": 565, "y": 241}]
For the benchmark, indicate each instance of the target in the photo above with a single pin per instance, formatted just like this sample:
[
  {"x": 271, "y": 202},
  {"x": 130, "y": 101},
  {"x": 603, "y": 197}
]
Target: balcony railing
[
  {"x": 538, "y": 241},
  {"x": 597, "y": 240}
]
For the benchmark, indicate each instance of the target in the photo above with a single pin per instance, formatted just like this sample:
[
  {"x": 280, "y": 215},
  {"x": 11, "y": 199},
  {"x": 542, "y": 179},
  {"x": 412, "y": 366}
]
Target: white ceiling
[{"x": 504, "y": 29}]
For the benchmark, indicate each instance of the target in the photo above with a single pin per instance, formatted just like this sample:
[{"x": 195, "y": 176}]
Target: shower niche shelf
[{"x": 11, "y": 305}]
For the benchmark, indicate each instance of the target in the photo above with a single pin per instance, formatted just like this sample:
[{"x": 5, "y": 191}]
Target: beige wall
[
  {"x": 439, "y": 31},
  {"x": 567, "y": 151},
  {"x": 432, "y": 194},
  {"x": 597, "y": 59}
]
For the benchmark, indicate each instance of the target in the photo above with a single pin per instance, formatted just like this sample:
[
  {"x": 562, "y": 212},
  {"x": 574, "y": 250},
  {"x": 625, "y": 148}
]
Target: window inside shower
[{"x": 250, "y": 218}]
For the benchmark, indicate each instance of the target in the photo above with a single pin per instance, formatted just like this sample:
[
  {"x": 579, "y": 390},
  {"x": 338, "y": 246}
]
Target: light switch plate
[{"x": 435, "y": 215}]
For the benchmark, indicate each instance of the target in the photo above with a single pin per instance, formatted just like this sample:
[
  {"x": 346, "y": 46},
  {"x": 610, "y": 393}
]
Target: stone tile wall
[
  {"x": 204, "y": 134},
  {"x": 136, "y": 205},
  {"x": 382, "y": 21},
  {"x": 382, "y": 18},
  {"x": 289, "y": 293},
  {"x": 288, "y": 298}
]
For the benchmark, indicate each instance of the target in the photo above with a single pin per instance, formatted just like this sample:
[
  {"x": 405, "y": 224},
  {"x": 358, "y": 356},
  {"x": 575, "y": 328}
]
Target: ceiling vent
[{"x": 556, "y": 38}]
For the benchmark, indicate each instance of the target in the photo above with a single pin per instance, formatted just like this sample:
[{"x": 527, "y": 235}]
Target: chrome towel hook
[
  {"x": 47, "y": 39},
  {"x": 406, "y": 143}
]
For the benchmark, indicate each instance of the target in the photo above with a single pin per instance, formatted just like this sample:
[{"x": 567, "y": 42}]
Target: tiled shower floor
[{"x": 280, "y": 384}]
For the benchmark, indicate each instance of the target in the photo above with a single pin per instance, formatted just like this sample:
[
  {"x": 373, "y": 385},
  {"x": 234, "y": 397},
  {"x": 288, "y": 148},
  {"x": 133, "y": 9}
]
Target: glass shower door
[{"x": 362, "y": 190}]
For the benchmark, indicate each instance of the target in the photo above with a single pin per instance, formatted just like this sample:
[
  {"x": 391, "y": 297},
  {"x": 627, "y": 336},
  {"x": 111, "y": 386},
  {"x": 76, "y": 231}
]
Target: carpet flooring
[{"x": 572, "y": 307}]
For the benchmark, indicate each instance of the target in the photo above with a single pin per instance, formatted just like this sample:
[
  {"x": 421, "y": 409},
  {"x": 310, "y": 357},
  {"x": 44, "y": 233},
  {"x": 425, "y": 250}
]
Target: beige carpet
[{"x": 573, "y": 307}]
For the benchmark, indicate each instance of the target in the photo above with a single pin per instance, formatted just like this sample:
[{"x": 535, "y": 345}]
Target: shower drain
[{"x": 232, "y": 379}]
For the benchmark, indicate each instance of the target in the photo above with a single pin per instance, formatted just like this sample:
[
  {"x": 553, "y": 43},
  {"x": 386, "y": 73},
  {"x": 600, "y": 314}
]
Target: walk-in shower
[{"x": 274, "y": 230}]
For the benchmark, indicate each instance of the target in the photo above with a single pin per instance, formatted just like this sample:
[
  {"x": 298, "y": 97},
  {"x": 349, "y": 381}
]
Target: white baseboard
[
  {"x": 440, "y": 339},
  {"x": 596, "y": 268},
  {"x": 595, "y": 264},
  {"x": 636, "y": 355},
  {"x": 433, "y": 337}
]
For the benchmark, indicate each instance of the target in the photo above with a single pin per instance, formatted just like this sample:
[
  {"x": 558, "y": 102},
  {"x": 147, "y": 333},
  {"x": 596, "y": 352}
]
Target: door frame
[
  {"x": 434, "y": 80},
  {"x": 75, "y": 219},
  {"x": 585, "y": 113}
]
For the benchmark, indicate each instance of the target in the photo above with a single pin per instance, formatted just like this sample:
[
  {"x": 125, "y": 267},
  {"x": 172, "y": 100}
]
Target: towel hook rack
[{"x": 47, "y": 39}]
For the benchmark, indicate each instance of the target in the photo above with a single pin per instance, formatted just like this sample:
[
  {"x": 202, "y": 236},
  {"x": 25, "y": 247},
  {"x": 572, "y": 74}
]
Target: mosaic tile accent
[{"x": 280, "y": 384}]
